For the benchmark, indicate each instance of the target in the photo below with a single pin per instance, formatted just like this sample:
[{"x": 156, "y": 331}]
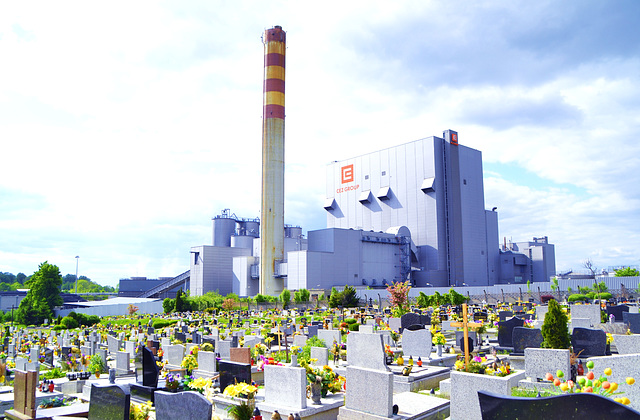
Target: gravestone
[
  {"x": 174, "y": 355},
  {"x": 524, "y": 338},
  {"x": 367, "y": 351},
  {"x": 21, "y": 363},
  {"x": 567, "y": 406},
  {"x": 123, "y": 363},
  {"x": 416, "y": 343},
  {"x": 196, "y": 338},
  {"x": 299, "y": 340},
  {"x": 240, "y": 355},
  {"x": 395, "y": 324},
  {"x": 181, "y": 336},
  {"x": 329, "y": 336},
  {"x": 146, "y": 368},
  {"x": 590, "y": 342},
  {"x": 109, "y": 402},
  {"x": 285, "y": 387},
  {"x": 617, "y": 311},
  {"x": 370, "y": 392},
  {"x": 24, "y": 394},
  {"x": 321, "y": 354},
  {"x": 130, "y": 347},
  {"x": 206, "y": 364},
  {"x": 504, "y": 315},
  {"x": 505, "y": 331},
  {"x": 632, "y": 320},
  {"x": 113, "y": 344},
  {"x": 409, "y": 319},
  {"x": 539, "y": 362},
  {"x": 224, "y": 349},
  {"x": 48, "y": 357},
  {"x": 232, "y": 372},
  {"x": 460, "y": 339},
  {"x": 587, "y": 311},
  {"x": 188, "y": 405},
  {"x": 622, "y": 366},
  {"x": 312, "y": 330}
]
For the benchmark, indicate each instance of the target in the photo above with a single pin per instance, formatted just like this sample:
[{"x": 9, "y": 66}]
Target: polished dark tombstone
[
  {"x": 480, "y": 316},
  {"x": 232, "y": 372},
  {"x": 181, "y": 336},
  {"x": 409, "y": 319},
  {"x": 566, "y": 406},
  {"x": 589, "y": 342},
  {"x": 504, "y": 315},
  {"x": 633, "y": 321},
  {"x": 48, "y": 357},
  {"x": 196, "y": 338},
  {"x": 109, "y": 402},
  {"x": 146, "y": 375},
  {"x": 415, "y": 327},
  {"x": 524, "y": 338},
  {"x": 505, "y": 332},
  {"x": 617, "y": 311}
]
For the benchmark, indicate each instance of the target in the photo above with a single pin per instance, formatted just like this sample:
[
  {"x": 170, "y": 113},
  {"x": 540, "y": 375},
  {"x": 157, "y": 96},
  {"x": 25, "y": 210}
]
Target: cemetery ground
[{"x": 317, "y": 363}]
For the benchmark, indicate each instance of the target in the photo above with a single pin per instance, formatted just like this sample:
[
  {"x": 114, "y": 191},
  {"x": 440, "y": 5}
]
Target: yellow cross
[{"x": 465, "y": 324}]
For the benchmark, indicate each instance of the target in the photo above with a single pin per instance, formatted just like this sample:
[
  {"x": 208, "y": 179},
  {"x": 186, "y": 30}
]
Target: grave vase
[
  {"x": 316, "y": 392},
  {"x": 439, "y": 350}
]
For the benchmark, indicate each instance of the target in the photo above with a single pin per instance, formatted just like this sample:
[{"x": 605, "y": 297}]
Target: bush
[
  {"x": 161, "y": 323},
  {"x": 69, "y": 322},
  {"x": 351, "y": 320},
  {"x": 577, "y": 298},
  {"x": 354, "y": 327},
  {"x": 554, "y": 329},
  {"x": 168, "y": 305}
]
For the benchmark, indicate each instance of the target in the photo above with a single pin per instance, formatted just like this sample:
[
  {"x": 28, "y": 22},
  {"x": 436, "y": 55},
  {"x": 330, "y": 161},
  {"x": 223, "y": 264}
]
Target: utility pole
[{"x": 77, "y": 259}]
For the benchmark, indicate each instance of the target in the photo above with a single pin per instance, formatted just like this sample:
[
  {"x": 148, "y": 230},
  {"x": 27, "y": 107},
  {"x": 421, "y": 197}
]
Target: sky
[{"x": 125, "y": 127}]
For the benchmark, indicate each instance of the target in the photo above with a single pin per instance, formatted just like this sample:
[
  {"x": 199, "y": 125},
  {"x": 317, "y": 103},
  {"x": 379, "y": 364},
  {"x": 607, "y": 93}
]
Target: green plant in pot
[{"x": 96, "y": 365}]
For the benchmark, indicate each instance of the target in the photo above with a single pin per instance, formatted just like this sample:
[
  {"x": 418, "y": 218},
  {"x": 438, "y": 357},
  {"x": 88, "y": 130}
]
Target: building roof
[{"x": 113, "y": 301}]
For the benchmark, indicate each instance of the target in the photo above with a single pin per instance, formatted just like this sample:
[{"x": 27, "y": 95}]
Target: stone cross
[{"x": 465, "y": 324}]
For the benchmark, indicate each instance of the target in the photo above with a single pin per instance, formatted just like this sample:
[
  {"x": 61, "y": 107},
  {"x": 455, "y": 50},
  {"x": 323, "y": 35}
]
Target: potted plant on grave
[
  {"x": 388, "y": 354},
  {"x": 96, "y": 365}
]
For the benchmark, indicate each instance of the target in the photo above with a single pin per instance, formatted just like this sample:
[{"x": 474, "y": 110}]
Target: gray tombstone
[
  {"x": 632, "y": 320},
  {"x": 123, "y": 360},
  {"x": 321, "y": 354},
  {"x": 417, "y": 343},
  {"x": 189, "y": 405},
  {"x": 367, "y": 351}
]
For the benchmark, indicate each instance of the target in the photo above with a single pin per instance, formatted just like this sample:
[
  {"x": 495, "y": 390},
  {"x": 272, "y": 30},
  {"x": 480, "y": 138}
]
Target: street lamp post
[{"x": 77, "y": 259}]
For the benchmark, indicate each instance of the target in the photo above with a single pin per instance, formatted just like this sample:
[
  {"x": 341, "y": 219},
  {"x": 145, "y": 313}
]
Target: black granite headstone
[
  {"x": 524, "y": 337},
  {"x": 504, "y": 315},
  {"x": 181, "y": 336},
  {"x": 591, "y": 342},
  {"x": 505, "y": 331},
  {"x": 409, "y": 319},
  {"x": 567, "y": 406},
  {"x": 48, "y": 357},
  {"x": 232, "y": 372},
  {"x": 146, "y": 368},
  {"x": 617, "y": 311},
  {"x": 633, "y": 321},
  {"x": 109, "y": 402}
]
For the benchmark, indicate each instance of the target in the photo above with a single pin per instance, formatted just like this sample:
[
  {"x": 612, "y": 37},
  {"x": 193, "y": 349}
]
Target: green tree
[
  {"x": 43, "y": 296},
  {"x": 285, "y": 297},
  {"x": 555, "y": 331},
  {"x": 182, "y": 304},
  {"x": 456, "y": 298},
  {"x": 168, "y": 305},
  {"x": 554, "y": 284},
  {"x": 627, "y": 272}
]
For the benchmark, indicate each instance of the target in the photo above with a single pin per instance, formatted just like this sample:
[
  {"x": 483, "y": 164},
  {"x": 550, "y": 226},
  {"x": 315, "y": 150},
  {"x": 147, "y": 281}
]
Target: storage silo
[
  {"x": 224, "y": 227},
  {"x": 294, "y": 232},
  {"x": 243, "y": 241}
]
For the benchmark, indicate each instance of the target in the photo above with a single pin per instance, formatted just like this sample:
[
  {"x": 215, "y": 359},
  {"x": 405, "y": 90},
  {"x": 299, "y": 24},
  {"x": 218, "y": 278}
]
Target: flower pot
[
  {"x": 388, "y": 359},
  {"x": 439, "y": 350}
]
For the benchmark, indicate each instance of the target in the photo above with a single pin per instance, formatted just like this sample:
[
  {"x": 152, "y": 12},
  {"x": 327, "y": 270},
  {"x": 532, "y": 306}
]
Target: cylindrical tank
[
  {"x": 223, "y": 229},
  {"x": 241, "y": 230},
  {"x": 242, "y": 242},
  {"x": 294, "y": 232},
  {"x": 252, "y": 228}
]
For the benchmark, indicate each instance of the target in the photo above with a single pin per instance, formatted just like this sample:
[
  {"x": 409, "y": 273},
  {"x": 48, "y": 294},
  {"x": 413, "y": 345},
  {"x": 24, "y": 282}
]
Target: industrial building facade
[{"x": 411, "y": 212}]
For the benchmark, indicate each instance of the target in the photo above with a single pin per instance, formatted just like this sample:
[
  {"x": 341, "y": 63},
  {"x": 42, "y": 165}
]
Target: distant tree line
[{"x": 10, "y": 282}]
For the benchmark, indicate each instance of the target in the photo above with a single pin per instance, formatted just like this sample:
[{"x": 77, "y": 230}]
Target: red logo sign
[
  {"x": 347, "y": 174},
  {"x": 454, "y": 138}
]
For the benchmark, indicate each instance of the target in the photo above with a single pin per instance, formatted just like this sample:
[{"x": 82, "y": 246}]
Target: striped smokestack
[{"x": 272, "y": 209}]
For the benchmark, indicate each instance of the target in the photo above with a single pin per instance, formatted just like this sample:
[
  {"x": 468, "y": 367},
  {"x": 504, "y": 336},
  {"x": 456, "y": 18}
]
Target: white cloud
[{"x": 126, "y": 127}]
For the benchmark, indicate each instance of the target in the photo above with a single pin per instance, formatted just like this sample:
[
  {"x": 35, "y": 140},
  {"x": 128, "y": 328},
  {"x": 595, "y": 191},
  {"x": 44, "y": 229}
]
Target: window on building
[
  {"x": 196, "y": 257},
  {"x": 384, "y": 173}
]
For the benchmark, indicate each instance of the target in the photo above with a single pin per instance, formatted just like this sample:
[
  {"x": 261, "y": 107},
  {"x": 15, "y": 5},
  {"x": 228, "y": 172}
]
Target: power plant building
[{"x": 411, "y": 212}]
